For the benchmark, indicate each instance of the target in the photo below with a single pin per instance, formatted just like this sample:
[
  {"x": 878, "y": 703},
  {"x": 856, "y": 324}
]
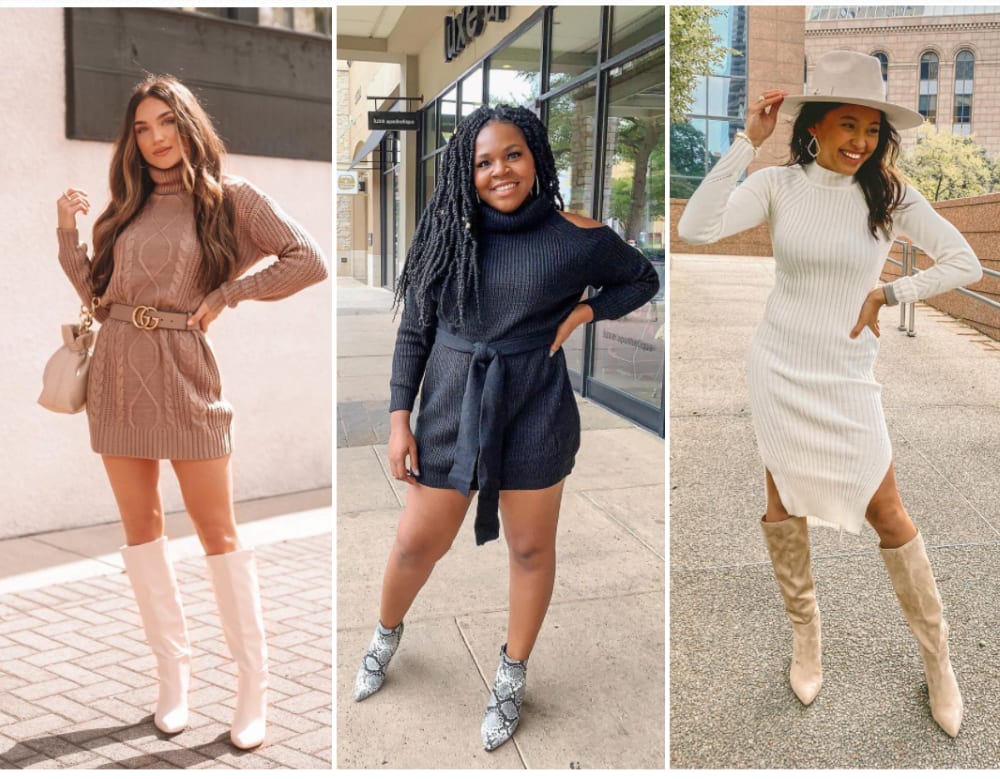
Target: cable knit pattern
[
  {"x": 157, "y": 394},
  {"x": 534, "y": 266},
  {"x": 817, "y": 409}
]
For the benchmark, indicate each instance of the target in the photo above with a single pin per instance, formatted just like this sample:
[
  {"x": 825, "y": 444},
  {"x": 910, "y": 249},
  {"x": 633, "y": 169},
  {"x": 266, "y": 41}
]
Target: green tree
[
  {"x": 945, "y": 166},
  {"x": 694, "y": 51},
  {"x": 688, "y": 157}
]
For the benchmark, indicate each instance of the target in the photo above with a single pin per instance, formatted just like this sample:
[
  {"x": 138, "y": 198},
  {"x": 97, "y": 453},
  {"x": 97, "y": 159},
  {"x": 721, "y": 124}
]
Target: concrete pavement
[
  {"x": 730, "y": 643},
  {"x": 78, "y": 682},
  {"x": 595, "y": 695}
]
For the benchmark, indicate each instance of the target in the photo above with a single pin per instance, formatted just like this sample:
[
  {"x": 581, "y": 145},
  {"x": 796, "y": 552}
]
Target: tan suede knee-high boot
[
  {"x": 788, "y": 544},
  {"x": 913, "y": 580}
]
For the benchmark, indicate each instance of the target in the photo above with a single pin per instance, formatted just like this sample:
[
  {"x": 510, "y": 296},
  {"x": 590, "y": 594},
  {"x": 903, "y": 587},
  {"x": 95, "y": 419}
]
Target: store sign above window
[
  {"x": 462, "y": 28},
  {"x": 393, "y": 120}
]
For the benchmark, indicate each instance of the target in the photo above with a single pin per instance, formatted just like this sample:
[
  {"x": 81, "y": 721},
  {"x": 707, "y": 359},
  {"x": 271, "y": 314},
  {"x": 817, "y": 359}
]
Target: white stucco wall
[{"x": 275, "y": 358}]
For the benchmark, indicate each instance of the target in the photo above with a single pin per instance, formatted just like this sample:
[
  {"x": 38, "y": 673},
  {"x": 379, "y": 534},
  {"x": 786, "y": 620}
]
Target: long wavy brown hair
[
  {"x": 879, "y": 178},
  {"x": 201, "y": 157}
]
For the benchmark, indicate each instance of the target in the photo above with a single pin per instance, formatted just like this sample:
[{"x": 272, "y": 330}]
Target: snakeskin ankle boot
[
  {"x": 371, "y": 674},
  {"x": 503, "y": 712}
]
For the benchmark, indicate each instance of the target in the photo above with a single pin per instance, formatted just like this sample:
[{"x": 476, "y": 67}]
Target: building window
[
  {"x": 927, "y": 105},
  {"x": 718, "y": 110},
  {"x": 965, "y": 64},
  {"x": 884, "y": 62}
]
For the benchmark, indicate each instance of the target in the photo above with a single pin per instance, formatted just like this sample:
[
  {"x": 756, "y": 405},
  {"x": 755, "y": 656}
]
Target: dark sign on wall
[
  {"x": 467, "y": 24},
  {"x": 393, "y": 120},
  {"x": 269, "y": 91}
]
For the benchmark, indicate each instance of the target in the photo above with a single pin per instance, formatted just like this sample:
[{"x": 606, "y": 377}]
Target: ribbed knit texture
[
  {"x": 157, "y": 394},
  {"x": 816, "y": 406},
  {"x": 534, "y": 266}
]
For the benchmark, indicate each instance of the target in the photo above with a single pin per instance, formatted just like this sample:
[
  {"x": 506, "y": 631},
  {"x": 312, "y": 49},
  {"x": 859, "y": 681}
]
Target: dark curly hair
[
  {"x": 881, "y": 183},
  {"x": 442, "y": 261}
]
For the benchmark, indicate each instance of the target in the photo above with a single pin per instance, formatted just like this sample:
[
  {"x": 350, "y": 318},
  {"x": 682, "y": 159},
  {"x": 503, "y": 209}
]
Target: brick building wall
[{"x": 904, "y": 39}]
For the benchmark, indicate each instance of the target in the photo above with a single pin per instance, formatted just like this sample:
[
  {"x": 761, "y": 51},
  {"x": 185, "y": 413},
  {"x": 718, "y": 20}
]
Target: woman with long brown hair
[
  {"x": 169, "y": 251},
  {"x": 833, "y": 212}
]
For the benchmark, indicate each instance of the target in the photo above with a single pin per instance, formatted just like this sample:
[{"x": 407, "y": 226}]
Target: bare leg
[
  {"x": 886, "y": 514},
  {"x": 207, "y": 488},
  {"x": 530, "y": 518},
  {"x": 427, "y": 528},
  {"x": 136, "y": 485},
  {"x": 776, "y": 511}
]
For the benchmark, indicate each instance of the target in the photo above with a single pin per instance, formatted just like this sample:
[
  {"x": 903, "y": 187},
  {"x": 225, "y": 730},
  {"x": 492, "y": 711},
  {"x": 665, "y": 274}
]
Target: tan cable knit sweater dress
[{"x": 157, "y": 394}]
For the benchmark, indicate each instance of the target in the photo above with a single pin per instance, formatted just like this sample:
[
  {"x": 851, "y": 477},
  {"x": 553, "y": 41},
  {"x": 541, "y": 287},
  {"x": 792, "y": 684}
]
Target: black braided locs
[{"x": 442, "y": 260}]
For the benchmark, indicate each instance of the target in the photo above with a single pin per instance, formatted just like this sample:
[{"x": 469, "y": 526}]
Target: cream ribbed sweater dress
[
  {"x": 816, "y": 407},
  {"x": 157, "y": 394}
]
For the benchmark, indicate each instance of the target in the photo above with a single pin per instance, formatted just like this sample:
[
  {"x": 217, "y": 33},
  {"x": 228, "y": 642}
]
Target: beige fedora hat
[{"x": 855, "y": 78}]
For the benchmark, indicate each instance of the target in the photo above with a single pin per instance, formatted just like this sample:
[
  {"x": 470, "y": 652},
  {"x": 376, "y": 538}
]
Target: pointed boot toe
[
  {"x": 806, "y": 674},
  {"x": 946, "y": 703}
]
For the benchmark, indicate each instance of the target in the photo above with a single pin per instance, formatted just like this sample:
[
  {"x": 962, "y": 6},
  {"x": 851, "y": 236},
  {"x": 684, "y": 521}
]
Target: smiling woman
[
  {"x": 816, "y": 406},
  {"x": 169, "y": 251},
  {"x": 492, "y": 288}
]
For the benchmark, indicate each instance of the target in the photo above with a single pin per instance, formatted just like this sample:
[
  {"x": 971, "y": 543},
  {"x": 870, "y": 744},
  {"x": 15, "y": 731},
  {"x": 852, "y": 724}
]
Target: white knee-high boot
[
  {"x": 234, "y": 580},
  {"x": 155, "y": 586}
]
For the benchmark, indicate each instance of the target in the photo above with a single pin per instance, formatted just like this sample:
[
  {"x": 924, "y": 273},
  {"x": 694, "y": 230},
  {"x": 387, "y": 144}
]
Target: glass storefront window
[
  {"x": 631, "y": 24},
  {"x": 472, "y": 92},
  {"x": 429, "y": 179},
  {"x": 571, "y": 136},
  {"x": 575, "y": 37},
  {"x": 446, "y": 124},
  {"x": 430, "y": 130},
  {"x": 629, "y": 352},
  {"x": 515, "y": 71}
]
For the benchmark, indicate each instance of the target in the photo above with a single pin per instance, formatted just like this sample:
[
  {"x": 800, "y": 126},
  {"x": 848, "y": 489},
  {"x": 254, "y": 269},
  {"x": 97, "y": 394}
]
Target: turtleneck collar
[
  {"x": 526, "y": 217},
  {"x": 169, "y": 181},
  {"x": 824, "y": 177}
]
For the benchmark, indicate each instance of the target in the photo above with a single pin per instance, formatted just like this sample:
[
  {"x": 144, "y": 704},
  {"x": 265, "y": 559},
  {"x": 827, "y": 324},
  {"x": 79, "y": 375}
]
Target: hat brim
[{"x": 900, "y": 117}]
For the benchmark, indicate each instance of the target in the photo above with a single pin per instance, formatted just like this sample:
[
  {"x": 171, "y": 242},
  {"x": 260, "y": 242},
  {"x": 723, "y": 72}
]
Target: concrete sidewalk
[
  {"x": 595, "y": 696},
  {"x": 730, "y": 643},
  {"x": 78, "y": 682}
]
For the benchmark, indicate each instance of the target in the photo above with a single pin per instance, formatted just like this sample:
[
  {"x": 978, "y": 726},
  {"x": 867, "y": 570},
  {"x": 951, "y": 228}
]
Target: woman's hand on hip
[
  {"x": 580, "y": 315},
  {"x": 762, "y": 115},
  {"x": 868, "y": 317},
  {"x": 70, "y": 203},
  {"x": 402, "y": 445},
  {"x": 208, "y": 311}
]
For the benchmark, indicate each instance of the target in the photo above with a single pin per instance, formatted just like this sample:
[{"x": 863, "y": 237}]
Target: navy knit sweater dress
[{"x": 534, "y": 267}]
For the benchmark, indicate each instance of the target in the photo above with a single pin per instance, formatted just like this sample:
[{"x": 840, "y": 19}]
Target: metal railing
[{"x": 908, "y": 267}]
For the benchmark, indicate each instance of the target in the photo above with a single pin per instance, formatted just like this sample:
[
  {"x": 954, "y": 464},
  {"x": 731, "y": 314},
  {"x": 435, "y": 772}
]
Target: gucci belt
[{"x": 149, "y": 318}]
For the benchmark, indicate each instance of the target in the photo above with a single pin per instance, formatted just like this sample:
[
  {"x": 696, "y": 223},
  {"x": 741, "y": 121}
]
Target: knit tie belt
[{"x": 481, "y": 429}]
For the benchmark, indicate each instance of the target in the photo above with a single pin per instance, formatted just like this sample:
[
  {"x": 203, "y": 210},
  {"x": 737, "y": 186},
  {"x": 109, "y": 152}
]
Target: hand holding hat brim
[{"x": 852, "y": 78}]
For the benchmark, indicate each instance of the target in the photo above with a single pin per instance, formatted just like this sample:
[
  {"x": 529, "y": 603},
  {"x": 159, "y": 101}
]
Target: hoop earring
[
  {"x": 477, "y": 196},
  {"x": 813, "y": 147},
  {"x": 538, "y": 187}
]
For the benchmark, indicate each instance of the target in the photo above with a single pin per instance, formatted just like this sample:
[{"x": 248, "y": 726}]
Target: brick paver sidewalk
[{"x": 78, "y": 684}]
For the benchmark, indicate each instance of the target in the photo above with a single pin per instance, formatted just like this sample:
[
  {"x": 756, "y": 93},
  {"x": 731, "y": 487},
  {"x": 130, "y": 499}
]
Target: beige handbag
[{"x": 64, "y": 383}]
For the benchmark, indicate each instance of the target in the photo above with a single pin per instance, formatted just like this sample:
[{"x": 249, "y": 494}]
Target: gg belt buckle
[{"x": 144, "y": 317}]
